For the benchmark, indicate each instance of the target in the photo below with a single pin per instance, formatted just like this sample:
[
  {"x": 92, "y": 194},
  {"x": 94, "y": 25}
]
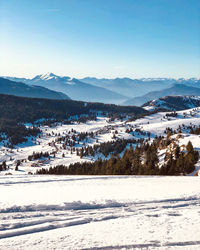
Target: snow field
[{"x": 99, "y": 212}]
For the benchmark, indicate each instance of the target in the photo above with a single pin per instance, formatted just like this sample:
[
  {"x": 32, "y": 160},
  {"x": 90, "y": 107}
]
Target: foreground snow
[{"x": 81, "y": 212}]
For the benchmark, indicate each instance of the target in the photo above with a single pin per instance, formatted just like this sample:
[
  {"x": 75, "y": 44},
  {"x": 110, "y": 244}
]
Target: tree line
[{"x": 143, "y": 160}]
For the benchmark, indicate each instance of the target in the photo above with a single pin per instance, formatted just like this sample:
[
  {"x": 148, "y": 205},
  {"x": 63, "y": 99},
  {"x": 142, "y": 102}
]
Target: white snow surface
[
  {"x": 104, "y": 212},
  {"x": 157, "y": 123}
]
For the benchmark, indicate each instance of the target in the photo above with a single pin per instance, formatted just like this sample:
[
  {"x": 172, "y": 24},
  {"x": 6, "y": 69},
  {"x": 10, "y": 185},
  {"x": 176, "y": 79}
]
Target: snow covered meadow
[{"x": 104, "y": 212}]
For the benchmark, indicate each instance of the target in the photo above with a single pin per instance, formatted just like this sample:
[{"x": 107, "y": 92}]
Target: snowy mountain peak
[
  {"x": 47, "y": 76},
  {"x": 51, "y": 76}
]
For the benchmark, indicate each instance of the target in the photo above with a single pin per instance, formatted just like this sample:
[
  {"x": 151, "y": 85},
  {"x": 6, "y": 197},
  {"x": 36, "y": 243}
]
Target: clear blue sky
[{"x": 102, "y": 38}]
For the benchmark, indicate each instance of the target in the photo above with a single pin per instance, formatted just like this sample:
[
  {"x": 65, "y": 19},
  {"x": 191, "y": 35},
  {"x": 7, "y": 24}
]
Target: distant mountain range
[
  {"x": 74, "y": 88},
  {"x": 173, "y": 103},
  {"x": 176, "y": 89},
  {"x": 138, "y": 87},
  {"x": 21, "y": 89},
  {"x": 123, "y": 91}
]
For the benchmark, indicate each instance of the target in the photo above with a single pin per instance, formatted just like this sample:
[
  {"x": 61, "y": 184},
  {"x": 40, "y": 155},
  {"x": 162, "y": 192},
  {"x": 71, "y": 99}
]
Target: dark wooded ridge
[{"x": 15, "y": 111}]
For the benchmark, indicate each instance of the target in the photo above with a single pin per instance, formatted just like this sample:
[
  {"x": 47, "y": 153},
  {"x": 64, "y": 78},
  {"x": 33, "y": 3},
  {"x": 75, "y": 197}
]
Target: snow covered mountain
[
  {"x": 173, "y": 103},
  {"x": 76, "y": 89},
  {"x": 176, "y": 89},
  {"x": 21, "y": 89}
]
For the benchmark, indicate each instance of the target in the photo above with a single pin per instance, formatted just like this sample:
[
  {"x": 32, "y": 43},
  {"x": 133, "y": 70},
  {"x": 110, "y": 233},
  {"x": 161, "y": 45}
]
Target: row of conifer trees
[{"x": 143, "y": 160}]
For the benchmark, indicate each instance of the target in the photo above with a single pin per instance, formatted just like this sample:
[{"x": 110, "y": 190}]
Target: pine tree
[
  {"x": 4, "y": 165},
  {"x": 189, "y": 147},
  {"x": 177, "y": 152}
]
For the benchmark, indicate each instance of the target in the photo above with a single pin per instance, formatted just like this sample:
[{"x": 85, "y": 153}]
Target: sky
[{"x": 100, "y": 38}]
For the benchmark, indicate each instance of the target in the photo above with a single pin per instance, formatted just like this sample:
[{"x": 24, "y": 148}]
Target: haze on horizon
[{"x": 100, "y": 38}]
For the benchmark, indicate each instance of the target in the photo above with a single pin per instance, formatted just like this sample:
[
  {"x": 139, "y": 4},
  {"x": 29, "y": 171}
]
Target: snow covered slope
[
  {"x": 78, "y": 212},
  {"x": 46, "y": 143},
  {"x": 103, "y": 131},
  {"x": 173, "y": 103}
]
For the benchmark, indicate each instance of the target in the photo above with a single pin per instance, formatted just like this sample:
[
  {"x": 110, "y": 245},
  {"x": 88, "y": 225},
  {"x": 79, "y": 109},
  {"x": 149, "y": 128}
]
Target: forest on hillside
[
  {"x": 143, "y": 160},
  {"x": 15, "y": 111}
]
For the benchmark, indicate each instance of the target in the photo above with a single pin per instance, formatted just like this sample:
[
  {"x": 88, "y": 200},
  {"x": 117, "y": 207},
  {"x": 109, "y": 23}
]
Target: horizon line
[{"x": 109, "y": 78}]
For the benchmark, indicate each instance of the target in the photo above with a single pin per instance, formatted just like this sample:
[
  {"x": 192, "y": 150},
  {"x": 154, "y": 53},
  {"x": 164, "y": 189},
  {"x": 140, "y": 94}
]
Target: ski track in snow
[{"x": 99, "y": 212}]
